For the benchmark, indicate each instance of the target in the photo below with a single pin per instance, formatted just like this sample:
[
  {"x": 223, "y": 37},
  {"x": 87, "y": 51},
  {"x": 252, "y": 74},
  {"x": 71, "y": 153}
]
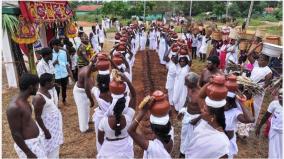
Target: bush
[
  {"x": 278, "y": 13},
  {"x": 269, "y": 17}
]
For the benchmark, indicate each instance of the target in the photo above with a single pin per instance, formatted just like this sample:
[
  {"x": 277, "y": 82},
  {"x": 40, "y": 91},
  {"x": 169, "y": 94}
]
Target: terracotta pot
[
  {"x": 117, "y": 36},
  {"x": 243, "y": 44},
  {"x": 117, "y": 59},
  {"x": 273, "y": 40},
  {"x": 231, "y": 83},
  {"x": 182, "y": 51},
  {"x": 217, "y": 90},
  {"x": 121, "y": 47},
  {"x": 161, "y": 106},
  {"x": 103, "y": 63},
  {"x": 123, "y": 39},
  {"x": 216, "y": 35},
  {"x": 117, "y": 87},
  {"x": 175, "y": 49}
]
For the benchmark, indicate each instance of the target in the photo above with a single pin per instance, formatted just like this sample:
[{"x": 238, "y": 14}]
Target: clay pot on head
[
  {"x": 117, "y": 36},
  {"x": 174, "y": 49},
  {"x": 217, "y": 90},
  {"x": 161, "y": 106},
  {"x": 103, "y": 63},
  {"x": 121, "y": 47},
  {"x": 117, "y": 58},
  {"x": 123, "y": 39},
  {"x": 117, "y": 87},
  {"x": 182, "y": 51},
  {"x": 175, "y": 36},
  {"x": 231, "y": 83}
]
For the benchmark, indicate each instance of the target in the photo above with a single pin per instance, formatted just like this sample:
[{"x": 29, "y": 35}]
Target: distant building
[{"x": 83, "y": 9}]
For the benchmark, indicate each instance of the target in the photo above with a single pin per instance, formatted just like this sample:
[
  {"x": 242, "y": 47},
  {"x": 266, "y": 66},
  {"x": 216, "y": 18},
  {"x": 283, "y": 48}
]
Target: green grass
[{"x": 275, "y": 30}]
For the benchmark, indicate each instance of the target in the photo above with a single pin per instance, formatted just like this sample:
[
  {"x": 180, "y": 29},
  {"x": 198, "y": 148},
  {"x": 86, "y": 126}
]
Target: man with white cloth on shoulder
[
  {"x": 26, "y": 133},
  {"x": 48, "y": 116},
  {"x": 45, "y": 66},
  {"x": 191, "y": 112},
  {"x": 275, "y": 109},
  {"x": 82, "y": 94},
  {"x": 209, "y": 139}
]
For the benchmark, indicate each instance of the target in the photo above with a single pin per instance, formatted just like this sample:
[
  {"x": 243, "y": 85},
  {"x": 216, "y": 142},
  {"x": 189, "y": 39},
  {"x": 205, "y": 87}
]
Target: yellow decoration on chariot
[{"x": 71, "y": 30}]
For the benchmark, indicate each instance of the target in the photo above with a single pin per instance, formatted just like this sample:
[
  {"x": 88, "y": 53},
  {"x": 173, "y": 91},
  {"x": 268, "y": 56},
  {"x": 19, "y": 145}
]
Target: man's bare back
[{"x": 82, "y": 77}]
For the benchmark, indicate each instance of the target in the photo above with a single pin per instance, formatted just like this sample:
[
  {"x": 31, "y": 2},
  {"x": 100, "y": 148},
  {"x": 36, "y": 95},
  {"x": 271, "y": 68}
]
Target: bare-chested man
[
  {"x": 191, "y": 112},
  {"x": 210, "y": 70},
  {"x": 24, "y": 129},
  {"x": 82, "y": 94}
]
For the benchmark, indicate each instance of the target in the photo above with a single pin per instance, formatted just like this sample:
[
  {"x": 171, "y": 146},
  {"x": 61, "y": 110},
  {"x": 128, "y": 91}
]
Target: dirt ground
[{"x": 82, "y": 145}]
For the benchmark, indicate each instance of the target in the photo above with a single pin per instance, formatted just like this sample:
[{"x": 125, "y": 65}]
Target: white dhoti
[
  {"x": 233, "y": 147},
  {"x": 180, "y": 90},
  {"x": 97, "y": 117},
  {"x": 171, "y": 81},
  {"x": 153, "y": 44},
  {"x": 142, "y": 42},
  {"x": 83, "y": 107},
  {"x": 161, "y": 51},
  {"x": 258, "y": 99},
  {"x": 36, "y": 145},
  {"x": 117, "y": 149},
  {"x": 275, "y": 143},
  {"x": 53, "y": 122},
  {"x": 186, "y": 130}
]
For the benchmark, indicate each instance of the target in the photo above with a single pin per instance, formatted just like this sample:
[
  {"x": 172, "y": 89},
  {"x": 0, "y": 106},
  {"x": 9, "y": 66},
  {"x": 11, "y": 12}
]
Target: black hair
[
  {"x": 265, "y": 57},
  {"x": 219, "y": 115},
  {"x": 45, "y": 78},
  {"x": 231, "y": 101},
  {"x": 117, "y": 111},
  {"x": 45, "y": 51},
  {"x": 185, "y": 59},
  {"x": 66, "y": 41},
  {"x": 27, "y": 80},
  {"x": 69, "y": 44},
  {"x": 103, "y": 83},
  {"x": 214, "y": 59},
  {"x": 72, "y": 50},
  {"x": 93, "y": 27},
  {"x": 162, "y": 131},
  {"x": 56, "y": 42}
]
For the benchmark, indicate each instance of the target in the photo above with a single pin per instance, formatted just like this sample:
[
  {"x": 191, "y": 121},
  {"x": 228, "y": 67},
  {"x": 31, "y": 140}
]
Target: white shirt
[
  {"x": 232, "y": 119},
  {"x": 194, "y": 41},
  {"x": 204, "y": 45},
  {"x": 258, "y": 73},
  {"x": 276, "y": 110},
  {"x": 43, "y": 67}
]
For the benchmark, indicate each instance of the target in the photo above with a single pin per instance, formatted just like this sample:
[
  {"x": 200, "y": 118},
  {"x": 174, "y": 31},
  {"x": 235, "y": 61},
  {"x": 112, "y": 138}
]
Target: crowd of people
[{"x": 210, "y": 127}]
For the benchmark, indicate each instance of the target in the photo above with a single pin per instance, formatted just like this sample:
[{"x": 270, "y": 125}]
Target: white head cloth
[
  {"x": 159, "y": 120},
  {"x": 115, "y": 98},
  {"x": 215, "y": 104},
  {"x": 106, "y": 72}
]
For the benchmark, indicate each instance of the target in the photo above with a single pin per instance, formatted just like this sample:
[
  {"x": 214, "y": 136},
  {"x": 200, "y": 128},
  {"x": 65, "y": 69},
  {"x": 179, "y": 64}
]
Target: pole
[
  {"x": 190, "y": 8},
  {"x": 144, "y": 11},
  {"x": 249, "y": 14},
  {"x": 227, "y": 9}
]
